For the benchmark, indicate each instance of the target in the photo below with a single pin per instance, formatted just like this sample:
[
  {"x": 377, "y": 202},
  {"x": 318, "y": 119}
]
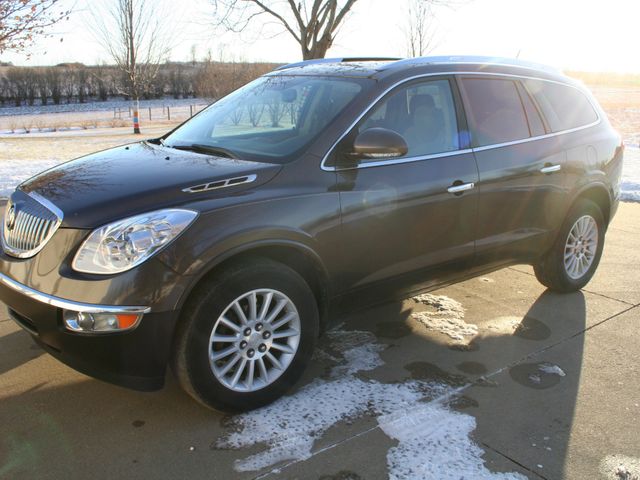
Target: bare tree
[
  {"x": 421, "y": 24},
  {"x": 313, "y": 24},
  {"x": 420, "y": 29},
  {"x": 23, "y": 20},
  {"x": 136, "y": 35}
]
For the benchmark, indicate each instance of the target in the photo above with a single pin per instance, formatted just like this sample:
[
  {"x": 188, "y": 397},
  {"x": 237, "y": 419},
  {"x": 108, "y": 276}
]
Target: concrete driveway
[{"x": 491, "y": 375}]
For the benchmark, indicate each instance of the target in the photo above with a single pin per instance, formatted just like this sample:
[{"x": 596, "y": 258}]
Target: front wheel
[
  {"x": 574, "y": 256},
  {"x": 246, "y": 336}
]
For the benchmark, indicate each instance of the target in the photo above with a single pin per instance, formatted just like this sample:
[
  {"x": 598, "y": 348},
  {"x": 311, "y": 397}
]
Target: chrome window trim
[
  {"x": 455, "y": 152},
  {"x": 530, "y": 139},
  {"x": 397, "y": 161},
  {"x": 69, "y": 304}
]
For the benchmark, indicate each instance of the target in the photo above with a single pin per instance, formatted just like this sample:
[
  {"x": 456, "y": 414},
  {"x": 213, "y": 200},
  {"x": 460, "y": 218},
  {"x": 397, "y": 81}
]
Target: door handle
[
  {"x": 463, "y": 187},
  {"x": 551, "y": 169}
]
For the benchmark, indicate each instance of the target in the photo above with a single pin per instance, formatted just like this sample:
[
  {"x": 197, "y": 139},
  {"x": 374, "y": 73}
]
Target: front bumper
[{"x": 135, "y": 359}]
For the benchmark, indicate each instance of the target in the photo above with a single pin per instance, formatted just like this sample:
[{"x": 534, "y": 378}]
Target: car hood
[{"x": 136, "y": 178}]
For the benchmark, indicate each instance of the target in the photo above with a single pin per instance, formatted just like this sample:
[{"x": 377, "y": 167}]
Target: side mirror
[{"x": 379, "y": 143}]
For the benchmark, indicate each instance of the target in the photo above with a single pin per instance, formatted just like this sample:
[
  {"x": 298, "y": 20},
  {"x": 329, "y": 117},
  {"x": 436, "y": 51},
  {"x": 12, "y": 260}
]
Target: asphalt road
[{"x": 550, "y": 382}]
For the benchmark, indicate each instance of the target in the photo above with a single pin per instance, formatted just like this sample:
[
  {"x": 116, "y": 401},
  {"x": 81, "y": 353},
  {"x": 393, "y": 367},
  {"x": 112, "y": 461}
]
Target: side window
[
  {"x": 536, "y": 127},
  {"x": 423, "y": 113},
  {"x": 563, "y": 106},
  {"x": 495, "y": 111}
]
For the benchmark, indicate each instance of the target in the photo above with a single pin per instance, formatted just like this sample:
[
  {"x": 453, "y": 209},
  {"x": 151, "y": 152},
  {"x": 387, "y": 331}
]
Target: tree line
[{"x": 78, "y": 83}]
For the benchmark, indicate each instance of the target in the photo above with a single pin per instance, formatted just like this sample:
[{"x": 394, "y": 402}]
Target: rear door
[
  {"x": 400, "y": 222},
  {"x": 521, "y": 178}
]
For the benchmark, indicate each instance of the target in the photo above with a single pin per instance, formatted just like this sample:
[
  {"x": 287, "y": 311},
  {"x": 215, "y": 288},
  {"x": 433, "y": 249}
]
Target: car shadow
[
  {"x": 85, "y": 427},
  {"x": 17, "y": 348}
]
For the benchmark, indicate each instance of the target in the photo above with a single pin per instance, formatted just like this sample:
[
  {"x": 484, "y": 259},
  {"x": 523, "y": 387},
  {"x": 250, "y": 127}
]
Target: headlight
[{"x": 122, "y": 245}]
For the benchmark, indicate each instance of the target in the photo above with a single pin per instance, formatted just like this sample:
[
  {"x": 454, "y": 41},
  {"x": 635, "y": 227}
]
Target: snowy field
[
  {"x": 13, "y": 172},
  {"x": 98, "y": 106}
]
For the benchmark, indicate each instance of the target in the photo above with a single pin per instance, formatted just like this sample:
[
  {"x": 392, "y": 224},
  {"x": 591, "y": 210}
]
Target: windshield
[{"x": 270, "y": 119}]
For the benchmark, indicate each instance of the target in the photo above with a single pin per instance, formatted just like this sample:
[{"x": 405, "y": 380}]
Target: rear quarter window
[
  {"x": 495, "y": 110},
  {"x": 563, "y": 106}
]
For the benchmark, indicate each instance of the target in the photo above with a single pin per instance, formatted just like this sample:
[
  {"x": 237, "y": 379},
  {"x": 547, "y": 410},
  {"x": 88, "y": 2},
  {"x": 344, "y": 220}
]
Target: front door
[{"x": 409, "y": 222}]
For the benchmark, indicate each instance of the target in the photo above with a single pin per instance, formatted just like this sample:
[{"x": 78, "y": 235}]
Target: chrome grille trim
[
  {"x": 36, "y": 221},
  {"x": 69, "y": 304},
  {"x": 229, "y": 182}
]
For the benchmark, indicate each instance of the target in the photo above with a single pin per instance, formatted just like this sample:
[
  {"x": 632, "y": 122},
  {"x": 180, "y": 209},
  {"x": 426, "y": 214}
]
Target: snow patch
[
  {"x": 434, "y": 443},
  {"x": 432, "y": 438},
  {"x": 620, "y": 467},
  {"x": 445, "y": 316},
  {"x": 358, "y": 349},
  {"x": 551, "y": 369}
]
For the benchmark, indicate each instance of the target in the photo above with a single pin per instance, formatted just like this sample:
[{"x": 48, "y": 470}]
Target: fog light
[{"x": 99, "y": 322}]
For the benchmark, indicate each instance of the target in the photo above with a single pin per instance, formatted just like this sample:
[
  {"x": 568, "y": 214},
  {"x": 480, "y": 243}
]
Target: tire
[
  {"x": 212, "y": 383},
  {"x": 552, "y": 271}
]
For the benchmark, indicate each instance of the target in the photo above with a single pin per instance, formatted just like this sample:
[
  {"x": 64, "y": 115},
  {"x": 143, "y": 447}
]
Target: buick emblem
[{"x": 11, "y": 218}]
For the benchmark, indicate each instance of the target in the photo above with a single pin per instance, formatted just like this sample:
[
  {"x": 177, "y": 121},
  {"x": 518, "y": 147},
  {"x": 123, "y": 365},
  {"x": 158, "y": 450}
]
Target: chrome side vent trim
[
  {"x": 28, "y": 224},
  {"x": 229, "y": 182}
]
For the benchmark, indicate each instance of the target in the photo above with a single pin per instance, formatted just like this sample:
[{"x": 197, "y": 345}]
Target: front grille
[{"x": 29, "y": 223}]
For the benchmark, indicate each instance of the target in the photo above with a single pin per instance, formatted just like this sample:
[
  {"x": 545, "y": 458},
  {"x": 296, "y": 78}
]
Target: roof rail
[
  {"x": 316, "y": 61},
  {"x": 478, "y": 59}
]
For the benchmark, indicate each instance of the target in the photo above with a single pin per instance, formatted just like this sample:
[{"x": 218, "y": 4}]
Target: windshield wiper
[{"x": 217, "y": 151}]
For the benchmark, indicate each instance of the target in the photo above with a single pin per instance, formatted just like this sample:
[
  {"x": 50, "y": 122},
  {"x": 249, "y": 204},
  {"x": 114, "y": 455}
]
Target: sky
[{"x": 588, "y": 35}]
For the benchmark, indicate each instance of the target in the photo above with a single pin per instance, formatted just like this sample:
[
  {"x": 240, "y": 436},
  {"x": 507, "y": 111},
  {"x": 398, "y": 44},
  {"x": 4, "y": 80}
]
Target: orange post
[{"x": 136, "y": 122}]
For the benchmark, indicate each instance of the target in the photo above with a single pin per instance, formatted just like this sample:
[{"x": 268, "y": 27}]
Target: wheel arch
[
  {"x": 598, "y": 194},
  {"x": 300, "y": 257}
]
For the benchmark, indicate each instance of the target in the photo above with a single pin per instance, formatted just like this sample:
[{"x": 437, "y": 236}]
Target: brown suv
[{"x": 226, "y": 246}]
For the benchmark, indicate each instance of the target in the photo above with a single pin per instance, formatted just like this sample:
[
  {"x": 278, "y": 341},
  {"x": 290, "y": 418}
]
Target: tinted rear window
[
  {"x": 563, "y": 106},
  {"x": 495, "y": 111}
]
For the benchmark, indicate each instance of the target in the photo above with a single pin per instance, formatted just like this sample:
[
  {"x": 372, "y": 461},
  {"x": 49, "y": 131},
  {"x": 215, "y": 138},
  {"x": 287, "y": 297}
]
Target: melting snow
[
  {"x": 445, "y": 315},
  {"x": 433, "y": 440},
  {"x": 551, "y": 369}
]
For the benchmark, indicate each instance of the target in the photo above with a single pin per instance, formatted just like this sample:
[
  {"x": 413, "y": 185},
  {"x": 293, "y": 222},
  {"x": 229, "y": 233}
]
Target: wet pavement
[{"x": 494, "y": 377}]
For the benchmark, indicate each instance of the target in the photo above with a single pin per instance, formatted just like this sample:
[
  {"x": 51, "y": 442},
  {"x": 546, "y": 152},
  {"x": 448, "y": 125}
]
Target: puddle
[
  {"x": 342, "y": 475},
  {"x": 473, "y": 368},
  {"x": 464, "y": 402},
  {"x": 527, "y": 327},
  {"x": 537, "y": 375},
  {"x": 392, "y": 329},
  {"x": 532, "y": 329},
  {"x": 430, "y": 372},
  {"x": 472, "y": 346}
]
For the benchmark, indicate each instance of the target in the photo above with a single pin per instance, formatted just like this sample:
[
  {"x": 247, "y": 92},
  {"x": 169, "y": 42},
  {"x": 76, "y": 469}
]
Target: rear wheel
[
  {"x": 246, "y": 336},
  {"x": 574, "y": 257}
]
